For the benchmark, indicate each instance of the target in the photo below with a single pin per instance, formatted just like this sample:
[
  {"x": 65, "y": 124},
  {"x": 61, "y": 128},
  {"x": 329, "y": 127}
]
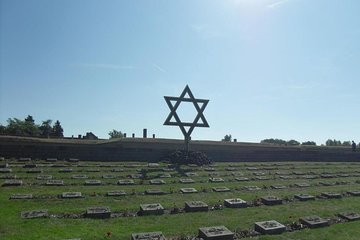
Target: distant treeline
[
  {"x": 329, "y": 142},
  {"x": 28, "y": 128}
]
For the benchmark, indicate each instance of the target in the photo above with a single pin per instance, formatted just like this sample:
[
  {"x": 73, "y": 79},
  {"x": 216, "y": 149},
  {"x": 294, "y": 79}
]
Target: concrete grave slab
[
  {"x": 216, "y": 233},
  {"x": 126, "y": 182},
  {"x": 350, "y": 216},
  {"x": 304, "y": 197},
  {"x": 4, "y": 165},
  {"x": 186, "y": 180},
  {"x": 148, "y": 236},
  {"x": 165, "y": 175},
  {"x": 117, "y": 170},
  {"x": 221, "y": 189},
  {"x": 98, "y": 212},
  {"x": 51, "y": 159},
  {"x": 271, "y": 200},
  {"x": 54, "y": 183},
  {"x": 71, "y": 195},
  {"x": 35, "y": 214},
  {"x": 34, "y": 170},
  {"x": 331, "y": 195},
  {"x": 5, "y": 170},
  {"x": 188, "y": 190},
  {"x": 74, "y": 160},
  {"x": 216, "y": 179},
  {"x": 21, "y": 196},
  {"x": 157, "y": 182},
  {"x": 136, "y": 176},
  {"x": 79, "y": 176},
  {"x": 44, "y": 177},
  {"x": 196, "y": 206},
  {"x": 65, "y": 170},
  {"x": 314, "y": 221},
  {"x": 151, "y": 209},
  {"x": 270, "y": 227},
  {"x": 93, "y": 170},
  {"x": 12, "y": 183},
  {"x": 278, "y": 187},
  {"x": 354, "y": 192},
  {"x": 237, "y": 174},
  {"x": 302, "y": 185},
  {"x": 30, "y": 165},
  {"x": 92, "y": 182},
  {"x": 209, "y": 169},
  {"x": 116, "y": 193},
  {"x": 251, "y": 188},
  {"x": 109, "y": 176},
  {"x": 235, "y": 203},
  {"x": 242, "y": 179},
  {"x": 252, "y": 168},
  {"x": 24, "y": 159},
  {"x": 191, "y": 174},
  {"x": 154, "y": 192}
]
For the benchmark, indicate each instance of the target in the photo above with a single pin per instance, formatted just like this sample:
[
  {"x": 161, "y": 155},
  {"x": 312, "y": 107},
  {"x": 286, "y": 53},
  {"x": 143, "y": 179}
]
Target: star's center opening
[{"x": 187, "y": 112}]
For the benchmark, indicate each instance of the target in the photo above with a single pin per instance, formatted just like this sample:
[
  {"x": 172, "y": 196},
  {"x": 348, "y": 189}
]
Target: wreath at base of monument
[{"x": 181, "y": 157}]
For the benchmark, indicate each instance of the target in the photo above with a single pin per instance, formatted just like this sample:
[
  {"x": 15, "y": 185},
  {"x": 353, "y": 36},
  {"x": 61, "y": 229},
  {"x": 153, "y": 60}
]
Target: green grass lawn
[{"x": 12, "y": 226}]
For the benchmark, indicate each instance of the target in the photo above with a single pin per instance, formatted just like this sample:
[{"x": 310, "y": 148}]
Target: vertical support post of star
[{"x": 174, "y": 120}]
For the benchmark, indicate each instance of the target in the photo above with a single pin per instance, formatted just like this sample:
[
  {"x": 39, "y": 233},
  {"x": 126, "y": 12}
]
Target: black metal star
[{"x": 178, "y": 122}]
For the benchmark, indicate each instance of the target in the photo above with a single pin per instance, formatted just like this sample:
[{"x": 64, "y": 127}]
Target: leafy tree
[
  {"x": 274, "y": 141},
  {"x": 45, "y": 128},
  {"x": 309, "y": 143},
  {"x": 57, "y": 130},
  {"x": 293, "y": 142},
  {"x": 29, "y": 119},
  {"x": 346, "y": 143},
  {"x": 2, "y": 130},
  {"x": 115, "y": 134},
  {"x": 227, "y": 138}
]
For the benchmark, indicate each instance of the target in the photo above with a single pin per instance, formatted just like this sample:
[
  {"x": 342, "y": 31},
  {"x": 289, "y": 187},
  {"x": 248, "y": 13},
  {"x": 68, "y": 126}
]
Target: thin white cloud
[
  {"x": 205, "y": 31},
  {"x": 277, "y": 4},
  {"x": 160, "y": 69},
  {"x": 104, "y": 66}
]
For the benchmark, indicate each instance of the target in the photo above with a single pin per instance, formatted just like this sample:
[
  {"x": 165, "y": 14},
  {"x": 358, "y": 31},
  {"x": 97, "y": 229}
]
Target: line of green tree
[{"x": 28, "y": 128}]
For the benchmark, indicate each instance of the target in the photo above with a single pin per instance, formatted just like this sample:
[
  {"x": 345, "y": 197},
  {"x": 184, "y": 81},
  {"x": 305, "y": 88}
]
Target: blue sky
[{"x": 271, "y": 68}]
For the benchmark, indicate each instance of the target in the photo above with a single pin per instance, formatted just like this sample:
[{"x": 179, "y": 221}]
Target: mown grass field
[{"x": 340, "y": 176}]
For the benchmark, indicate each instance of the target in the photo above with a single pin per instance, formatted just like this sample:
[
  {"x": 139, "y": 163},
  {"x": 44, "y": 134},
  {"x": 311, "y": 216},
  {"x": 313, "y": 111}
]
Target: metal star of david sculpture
[{"x": 199, "y": 104}]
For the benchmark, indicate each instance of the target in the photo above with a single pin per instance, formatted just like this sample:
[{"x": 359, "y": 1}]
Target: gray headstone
[
  {"x": 98, "y": 212},
  {"x": 151, "y": 209},
  {"x": 270, "y": 227},
  {"x": 216, "y": 233}
]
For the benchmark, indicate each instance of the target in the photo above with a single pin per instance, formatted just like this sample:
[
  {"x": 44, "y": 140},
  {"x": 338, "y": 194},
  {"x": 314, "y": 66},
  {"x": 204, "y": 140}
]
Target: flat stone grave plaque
[
  {"x": 35, "y": 214},
  {"x": 5, "y": 170},
  {"x": 298, "y": 173},
  {"x": 12, "y": 182},
  {"x": 148, "y": 236},
  {"x": 277, "y": 187},
  {"x": 285, "y": 177},
  {"x": 214, "y": 174},
  {"x": 327, "y": 183},
  {"x": 304, "y": 197},
  {"x": 116, "y": 193},
  {"x": 350, "y": 216},
  {"x": 235, "y": 203},
  {"x": 73, "y": 160},
  {"x": 259, "y": 173},
  {"x": 153, "y": 165},
  {"x": 151, "y": 209},
  {"x": 242, "y": 179},
  {"x": 108, "y": 176},
  {"x": 221, "y": 189},
  {"x": 354, "y": 192},
  {"x": 327, "y": 176},
  {"x": 231, "y": 169},
  {"x": 55, "y": 183},
  {"x": 79, "y": 176},
  {"x": 71, "y": 195},
  {"x": 98, "y": 212},
  {"x": 93, "y": 182},
  {"x": 30, "y": 165},
  {"x": 21, "y": 196},
  {"x": 310, "y": 177},
  {"x": 252, "y": 168},
  {"x": 51, "y": 159},
  {"x": 270, "y": 227},
  {"x": 302, "y": 185},
  {"x": 58, "y": 165},
  {"x": 261, "y": 178},
  {"x": 24, "y": 159},
  {"x": 4, "y": 165},
  {"x": 44, "y": 177},
  {"x": 117, "y": 170},
  {"x": 136, "y": 176},
  {"x": 271, "y": 200},
  {"x": 343, "y": 175},
  {"x": 216, "y": 179},
  {"x": 168, "y": 169},
  {"x": 331, "y": 195},
  {"x": 165, "y": 175},
  {"x": 209, "y": 169},
  {"x": 154, "y": 192},
  {"x": 237, "y": 174},
  {"x": 157, "y": 182},
  {"x": 282, "y": 173},
  {"x": 34, "y": 170},
  {"x": 216, "y": 233},
  {"x": 251, "y": 188},
  {"x": 191, "y": 174},
  {"x": 196, "y": 206},
  {"x": 126, "y": 182},
  {"x": 314, "y": 221},
  {"x": 65, "y": 170},
  {"x": 8, "y": 177},
  {"x": 186, "y": 180},
  {"x": 188, "y": 190},
  {"x": 93, "y": 170}
]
